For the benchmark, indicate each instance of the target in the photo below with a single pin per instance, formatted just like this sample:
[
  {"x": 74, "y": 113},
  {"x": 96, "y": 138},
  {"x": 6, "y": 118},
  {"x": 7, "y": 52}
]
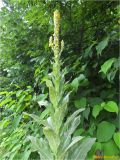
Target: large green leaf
[
  {"x": 110, "y": 149},
  {"x": 117, "y": 139},
  {"x": 111, "y": 106},
  {"x": 69, "y": 131},
  {"x": 105, "y": 131},
  {"x": 107, "y": 65},
  {"x": 69, "y": 127}
]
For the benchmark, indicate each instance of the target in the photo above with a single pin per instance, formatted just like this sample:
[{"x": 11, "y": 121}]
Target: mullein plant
[{"x": 58, "y": 142}]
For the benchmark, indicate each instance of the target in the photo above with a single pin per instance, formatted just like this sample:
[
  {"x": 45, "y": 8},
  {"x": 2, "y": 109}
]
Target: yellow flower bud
[
  {"x": 62, "y": 45},
  {"x": 51, "y": 41},
  {"x": 57, "y": 17}
]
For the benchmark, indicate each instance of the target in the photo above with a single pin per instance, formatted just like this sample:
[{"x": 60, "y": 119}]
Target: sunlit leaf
[
  {"x": 111, "y": 106},
  {"x": 107, "y": 65},
  {"x": 96, "y": 110},
  {"x": 101, "y": 46}
]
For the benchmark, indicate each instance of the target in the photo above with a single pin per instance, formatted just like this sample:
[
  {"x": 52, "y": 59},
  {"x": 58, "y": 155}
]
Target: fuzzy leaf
[
  {"x": 71, "y": 119},
  {"x": 74, "y": 125},
  {"x": 79, "y": 152},
  {"x": 42, "y": 147},
  {"x": 52, "y": 93},
  {"x": 58, "y": 118},
  {"x": 52, "y": 138},
  {"x": 74, "y": 141}
]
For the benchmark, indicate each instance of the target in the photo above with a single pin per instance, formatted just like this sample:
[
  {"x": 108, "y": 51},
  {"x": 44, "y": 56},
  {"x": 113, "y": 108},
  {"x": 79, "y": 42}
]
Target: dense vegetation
[{"x": 88, "y": 76}]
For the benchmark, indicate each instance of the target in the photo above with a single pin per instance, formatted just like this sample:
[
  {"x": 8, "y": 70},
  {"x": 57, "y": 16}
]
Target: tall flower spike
[{"x": 56, "y": 33}]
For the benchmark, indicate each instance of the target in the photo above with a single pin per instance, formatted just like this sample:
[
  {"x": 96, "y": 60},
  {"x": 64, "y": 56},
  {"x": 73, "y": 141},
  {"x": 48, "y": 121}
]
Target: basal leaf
[
  {"x": 79, "y": 152},
  {"x": 42, "y": 147}
]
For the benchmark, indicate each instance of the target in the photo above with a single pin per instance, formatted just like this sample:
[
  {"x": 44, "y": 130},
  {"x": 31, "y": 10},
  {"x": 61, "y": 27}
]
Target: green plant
[
  {"x": 90, "y": 31},
  {"x": 15, "y": 126},
  {"x": 59, "y": 142}
]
